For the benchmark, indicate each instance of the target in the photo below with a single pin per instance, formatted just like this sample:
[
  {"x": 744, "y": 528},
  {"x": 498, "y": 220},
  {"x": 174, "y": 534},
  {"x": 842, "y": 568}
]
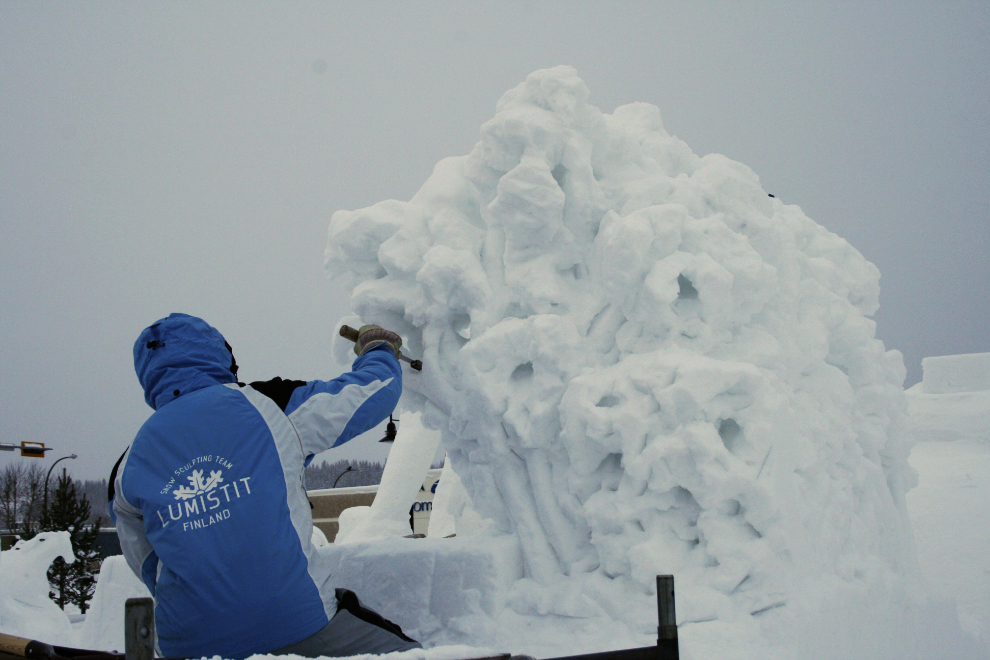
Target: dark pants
[{"x": 354, "y": 630}]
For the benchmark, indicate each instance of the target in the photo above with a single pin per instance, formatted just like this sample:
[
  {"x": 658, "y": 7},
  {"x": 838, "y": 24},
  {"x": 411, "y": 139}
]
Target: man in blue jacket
[{"x": 210, "y": 505}]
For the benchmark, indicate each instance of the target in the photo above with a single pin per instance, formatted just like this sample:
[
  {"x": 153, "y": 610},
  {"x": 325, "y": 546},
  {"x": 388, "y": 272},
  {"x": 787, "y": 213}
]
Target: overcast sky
[{"x": 187, "y": 156}]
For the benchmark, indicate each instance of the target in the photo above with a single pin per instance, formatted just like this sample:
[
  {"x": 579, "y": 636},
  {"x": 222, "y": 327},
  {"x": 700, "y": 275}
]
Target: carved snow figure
[
  {"x": 642, "y": 363},
  {"x": 25, "y": 608}
]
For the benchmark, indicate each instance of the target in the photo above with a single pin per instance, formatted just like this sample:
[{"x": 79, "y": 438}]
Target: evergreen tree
[
  {"x": 96, "y": 493},
  {"x": 75, "y": 582}
]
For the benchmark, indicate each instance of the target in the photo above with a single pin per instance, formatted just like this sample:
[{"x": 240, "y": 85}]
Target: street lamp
[
  {"x": 50, "y": 474},
  {"x": 350, "y": 468}
]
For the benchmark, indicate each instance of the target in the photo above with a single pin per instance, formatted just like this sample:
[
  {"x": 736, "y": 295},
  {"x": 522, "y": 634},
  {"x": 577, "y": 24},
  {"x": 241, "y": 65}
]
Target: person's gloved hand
[{"x": 370, "y": 336}]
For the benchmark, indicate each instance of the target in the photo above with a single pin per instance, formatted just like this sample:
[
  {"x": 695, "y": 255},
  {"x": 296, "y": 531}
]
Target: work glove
[{"x": 370, "y": 336}]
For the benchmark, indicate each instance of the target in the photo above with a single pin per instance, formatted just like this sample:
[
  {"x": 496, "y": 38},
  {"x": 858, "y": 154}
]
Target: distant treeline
[
  {"x": 22, "y": 496},
  {"x": 20, "y": 500},
  {"x": 363, "y": 473},
  {"x": 319, "y": 476},
  {"x": 96, "y": 493}
]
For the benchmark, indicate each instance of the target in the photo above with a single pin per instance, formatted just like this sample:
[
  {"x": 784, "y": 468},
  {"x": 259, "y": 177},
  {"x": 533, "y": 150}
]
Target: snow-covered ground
[
  {"x": 950, "y": 512},
  {"x": 950, "y": 507}
]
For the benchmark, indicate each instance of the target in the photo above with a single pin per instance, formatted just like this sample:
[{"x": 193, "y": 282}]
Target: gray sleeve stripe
[
  {"x": 291, "y": 456},
  {"x": 130, "y": 525},
  {"x": 322, "y": 418}
]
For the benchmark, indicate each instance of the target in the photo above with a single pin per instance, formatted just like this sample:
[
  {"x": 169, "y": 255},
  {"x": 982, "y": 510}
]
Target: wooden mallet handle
[{"x": 347, "y": 332}]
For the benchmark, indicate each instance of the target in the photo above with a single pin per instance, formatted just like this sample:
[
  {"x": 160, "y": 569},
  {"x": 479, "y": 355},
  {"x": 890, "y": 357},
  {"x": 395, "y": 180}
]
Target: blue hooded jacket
[{"x": 209, "y": 501}]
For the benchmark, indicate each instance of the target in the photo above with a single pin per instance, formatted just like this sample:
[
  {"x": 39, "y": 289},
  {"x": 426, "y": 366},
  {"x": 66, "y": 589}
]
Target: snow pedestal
[
  {"x": 447, "y": 591},
  {"x": 953, "y": 400},
  {"x": 641, "y": 363},
  {"x": 948, "y": 374}
]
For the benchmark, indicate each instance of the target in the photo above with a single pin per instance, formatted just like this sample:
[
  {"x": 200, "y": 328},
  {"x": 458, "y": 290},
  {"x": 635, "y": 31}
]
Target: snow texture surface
[
  {"x": 950, "y": 508},
  {"x": 641, "y": 363},
  {"x": 948, "y": 374}
]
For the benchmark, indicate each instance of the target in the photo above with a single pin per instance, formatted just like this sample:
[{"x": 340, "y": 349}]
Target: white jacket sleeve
[{"x": 134, "y": 543}]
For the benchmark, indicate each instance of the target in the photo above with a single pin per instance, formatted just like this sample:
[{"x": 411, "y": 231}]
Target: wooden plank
[
  {"x": 642, "y": 653},
  {"x": 16, "y": 646}
]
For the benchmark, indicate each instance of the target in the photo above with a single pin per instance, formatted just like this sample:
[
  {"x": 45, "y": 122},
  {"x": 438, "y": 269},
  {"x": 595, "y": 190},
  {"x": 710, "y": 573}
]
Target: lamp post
[
  {"x": 50, "y": 474},
  {"x": 390, "y": 431},
  {"x": 350, "y": 468}
]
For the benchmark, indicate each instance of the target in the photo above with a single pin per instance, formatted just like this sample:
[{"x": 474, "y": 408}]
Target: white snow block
[
  {"x": 446, "y": 591},
  {"x": 948, "y": 374},
  {"x": 949, "y": 417}
]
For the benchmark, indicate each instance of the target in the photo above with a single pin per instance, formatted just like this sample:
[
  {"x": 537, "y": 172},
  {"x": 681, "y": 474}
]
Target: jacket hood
[{"x": 178, "y": 355}]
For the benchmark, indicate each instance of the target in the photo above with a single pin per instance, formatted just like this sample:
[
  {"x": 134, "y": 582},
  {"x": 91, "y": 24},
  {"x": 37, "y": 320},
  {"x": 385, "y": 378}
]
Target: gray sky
[{"x": 187, "y": 156}]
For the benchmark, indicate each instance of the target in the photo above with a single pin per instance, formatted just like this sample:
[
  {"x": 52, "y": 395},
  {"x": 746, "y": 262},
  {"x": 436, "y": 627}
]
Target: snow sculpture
[
  {"x": 25, "y": 608},
  {"x": 388, "y": 516},
  {"x": 640, "y": 362}
]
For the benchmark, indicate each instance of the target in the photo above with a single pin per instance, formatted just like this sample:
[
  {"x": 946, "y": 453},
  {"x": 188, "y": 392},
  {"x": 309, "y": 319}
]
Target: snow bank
[
  {"x": 950, "y": 508},
  {"x": 947, "y": 374},
  {"x": 27, "y": 611},
  {"x": 641, "y": 363},
  {"x": 950, "y": 513},
  {"x": 103, "y": 628}
]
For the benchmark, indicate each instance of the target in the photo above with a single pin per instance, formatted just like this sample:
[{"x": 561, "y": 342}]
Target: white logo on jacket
[
  {"x": 198, "y": 503},
  {"x": 199, "y": 485}
]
